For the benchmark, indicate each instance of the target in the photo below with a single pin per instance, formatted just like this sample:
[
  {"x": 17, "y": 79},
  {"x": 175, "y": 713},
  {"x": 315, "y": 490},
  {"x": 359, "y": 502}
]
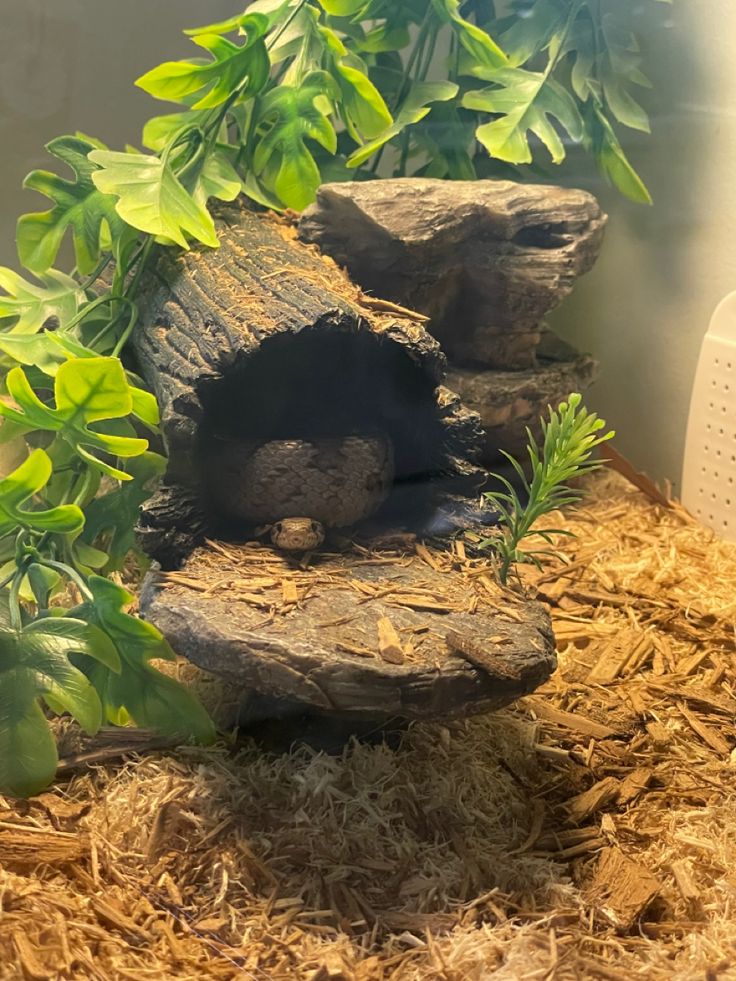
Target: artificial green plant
[
  {"x": 277, "y": 99},
  {"x": 570, "y": 436}
]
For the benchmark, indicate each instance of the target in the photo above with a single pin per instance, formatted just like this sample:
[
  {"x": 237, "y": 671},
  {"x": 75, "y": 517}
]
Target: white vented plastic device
[{"x": 709, "y": 472}]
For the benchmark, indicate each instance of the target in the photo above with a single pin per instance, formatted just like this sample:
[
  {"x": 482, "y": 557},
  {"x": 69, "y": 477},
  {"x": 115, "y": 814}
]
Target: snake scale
[{"x": 300, "y": 487}]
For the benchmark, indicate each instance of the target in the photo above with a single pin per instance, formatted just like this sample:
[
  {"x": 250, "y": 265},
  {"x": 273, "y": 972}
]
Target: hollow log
[
  {"x": 267, "y": 343},
  {"x": 266, "y": 339}
]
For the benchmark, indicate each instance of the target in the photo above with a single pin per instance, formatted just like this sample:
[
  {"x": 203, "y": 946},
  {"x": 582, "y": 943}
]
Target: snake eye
[{"x": 314, "y": 525}]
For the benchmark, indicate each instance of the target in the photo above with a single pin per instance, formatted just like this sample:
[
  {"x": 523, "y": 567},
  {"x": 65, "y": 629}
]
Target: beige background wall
[
  {"x": 644, "y": 309},
  {"x": 69, "y": 65}
]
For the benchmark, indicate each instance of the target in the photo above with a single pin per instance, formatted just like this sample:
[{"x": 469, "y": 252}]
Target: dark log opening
[{"x": 326, "y": 383}]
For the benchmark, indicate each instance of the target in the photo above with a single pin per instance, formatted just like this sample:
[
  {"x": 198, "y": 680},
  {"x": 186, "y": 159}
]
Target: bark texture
[
  {"x": 509, "y": 402},
  {"x": 326, "y": 649},
  {"x": 266, "y": 339},
  {"x": 484, "y": 260}
]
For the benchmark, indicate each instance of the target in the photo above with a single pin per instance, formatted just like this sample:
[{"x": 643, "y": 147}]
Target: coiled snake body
[{"x": 300, "y": 487}]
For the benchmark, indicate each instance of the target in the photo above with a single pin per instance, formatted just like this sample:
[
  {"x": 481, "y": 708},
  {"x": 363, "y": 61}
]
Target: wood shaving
[{"x": 456, "y": 856}]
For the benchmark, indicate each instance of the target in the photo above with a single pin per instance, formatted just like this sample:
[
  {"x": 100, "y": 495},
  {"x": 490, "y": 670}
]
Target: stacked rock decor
[
  {"x": 485, "y": 261},
  {"x": 300, "y": 537}
]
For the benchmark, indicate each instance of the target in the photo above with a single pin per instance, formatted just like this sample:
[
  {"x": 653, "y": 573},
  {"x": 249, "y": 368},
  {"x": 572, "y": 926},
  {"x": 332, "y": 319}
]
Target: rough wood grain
[
  {"x": 510, "y": 401},
  {"x": 621, "y": 889},
  {"x": 265, "y": 338},
  {"x": 485, "y": 260},
  {"x": 224, "y": 611}
]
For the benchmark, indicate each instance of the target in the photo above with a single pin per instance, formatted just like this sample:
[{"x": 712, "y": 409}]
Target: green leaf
[
  {"x": 217, "y": 179},
  {"x": 619, "y": 69},
  {"x": 524, "y": 102},
  {"x": 31, "y": 306},
  {"x": 533, "y": 31},
  {"x": 86, "y": 390},
  {"x": 79, "y": 206},
  {"x": 34, "y": 665},
  {"x": 160, "y": 130},
  {"x": 151, "y": 198},
  {"x": 293, "y": 115},
  {"x": 448, "y": 142},
  {"x": 362, "y": 106},
  {"x": 149, "y": 697},
  {"x": 21, "y": 486},
  {"x": 571, "y": 433},
  {"x": 232, "y": 24},
  {"x": 384, "y": 37},
  {"x": 623, "y": 106},
  {"x": 53, "y": 349},
  {"x": 37, "y": 350},
  {"x": 115, "y": 514},
  {"x": 28, "y": 757},
  {"x": 417, "y": 105},
  {"x": 477, "y": 42},
  {"x": 92, "y": 390},
  {"x": 232, "y": 67},
  {"x": 145, "y": 406},
  {"x": 613, "y": 162},
  {"x": 343, "y": 8}
]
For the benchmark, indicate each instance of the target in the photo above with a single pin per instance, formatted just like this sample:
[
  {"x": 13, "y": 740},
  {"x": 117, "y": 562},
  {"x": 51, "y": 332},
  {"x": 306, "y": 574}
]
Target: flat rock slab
[
  {"x": 510, "y": 402},
  {"x": 360, "y": 633}
]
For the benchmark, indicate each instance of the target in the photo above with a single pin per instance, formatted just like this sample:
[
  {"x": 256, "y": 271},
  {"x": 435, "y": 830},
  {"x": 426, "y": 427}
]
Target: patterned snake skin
[{"x": 336, "y": 481}]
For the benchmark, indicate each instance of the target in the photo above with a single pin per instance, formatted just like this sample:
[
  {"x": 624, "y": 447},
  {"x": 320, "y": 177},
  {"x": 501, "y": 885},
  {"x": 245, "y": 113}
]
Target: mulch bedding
[{"x": 587, "y": 832}]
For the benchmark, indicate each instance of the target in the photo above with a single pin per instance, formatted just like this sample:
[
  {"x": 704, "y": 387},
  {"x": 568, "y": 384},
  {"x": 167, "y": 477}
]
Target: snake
[{"x": 298, "y": 488}]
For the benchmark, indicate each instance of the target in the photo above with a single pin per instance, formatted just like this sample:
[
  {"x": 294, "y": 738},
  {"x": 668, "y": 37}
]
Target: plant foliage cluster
[
  {"x": 570, "y": 436},
  {"x": 276, "y": 100}
]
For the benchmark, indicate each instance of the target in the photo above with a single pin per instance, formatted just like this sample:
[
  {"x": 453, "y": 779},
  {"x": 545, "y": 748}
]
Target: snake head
[{"x": 297, "y": 534}]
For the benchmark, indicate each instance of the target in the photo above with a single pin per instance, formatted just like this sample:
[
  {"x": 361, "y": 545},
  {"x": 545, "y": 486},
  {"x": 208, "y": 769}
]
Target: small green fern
[{"x": 570, "y": 435}]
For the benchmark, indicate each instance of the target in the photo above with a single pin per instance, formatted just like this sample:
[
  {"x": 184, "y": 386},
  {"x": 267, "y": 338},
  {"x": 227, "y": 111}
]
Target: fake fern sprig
[{"x": 569, "y": 437}]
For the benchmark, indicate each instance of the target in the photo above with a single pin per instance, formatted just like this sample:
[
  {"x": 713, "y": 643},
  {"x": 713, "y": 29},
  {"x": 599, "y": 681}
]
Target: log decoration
[
  {"x": 486, "y": 262},
  {"x": 264, "y": 354},
  {"x": 357, "y": 636},
  {"x": 266, "y": 340}
]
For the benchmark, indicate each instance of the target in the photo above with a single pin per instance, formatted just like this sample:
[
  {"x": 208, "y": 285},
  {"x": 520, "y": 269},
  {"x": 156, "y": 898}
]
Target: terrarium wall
[
  {"x": 645, "y": 307},
  {"x": 642, "y": 311}
]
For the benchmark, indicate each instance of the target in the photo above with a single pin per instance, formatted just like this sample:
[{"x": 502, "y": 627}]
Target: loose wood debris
[
  {"x": 621, "y": 889},
  {"x": 588, "y": 832}
]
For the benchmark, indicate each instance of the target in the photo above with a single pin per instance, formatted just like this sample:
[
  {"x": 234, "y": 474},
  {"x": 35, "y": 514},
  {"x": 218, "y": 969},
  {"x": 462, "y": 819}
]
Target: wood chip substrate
[{"x": 587, "y": 832}]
